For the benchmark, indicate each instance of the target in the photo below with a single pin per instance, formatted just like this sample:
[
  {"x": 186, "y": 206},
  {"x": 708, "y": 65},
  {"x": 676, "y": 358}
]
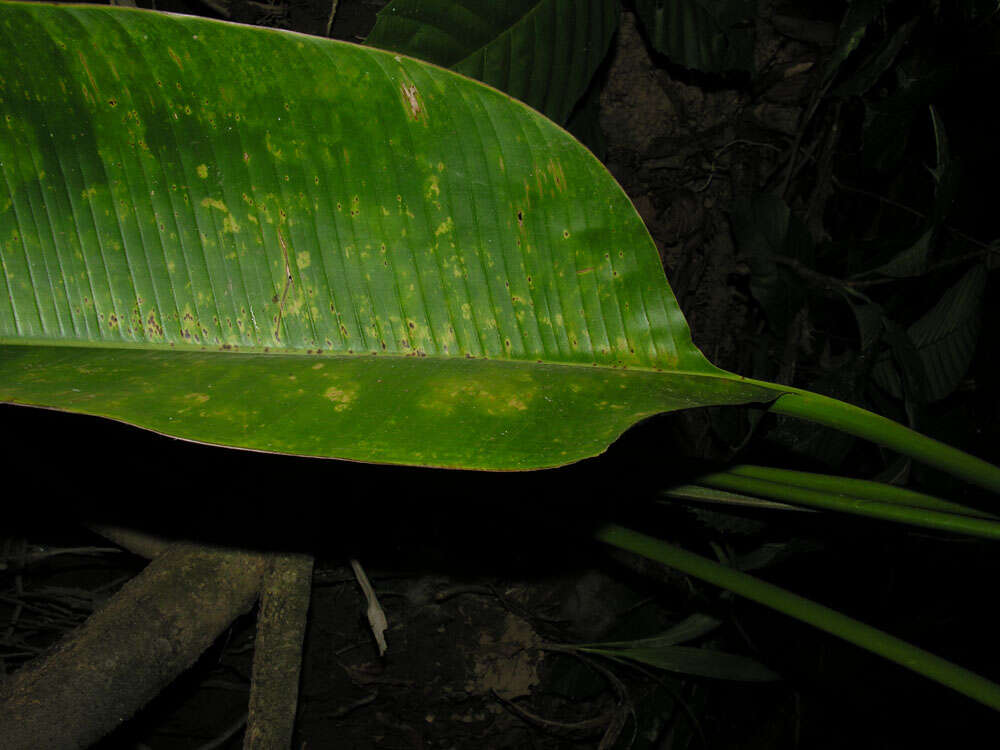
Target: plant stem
[
  {"x": 789, "y": 493},
  {"x": 702, "y": 494},
  {"x": 857, "y": 488},
  {"x": 329, "y": 21},
  {"x": 878, "y": 642},
  {"x": 865, "y": 424}
]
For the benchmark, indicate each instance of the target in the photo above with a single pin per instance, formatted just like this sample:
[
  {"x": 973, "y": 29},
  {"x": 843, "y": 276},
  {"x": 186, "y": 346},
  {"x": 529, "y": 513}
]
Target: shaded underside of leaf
[
  {"x": 543, "y": 52},
  {"x": 363, "y": 255},
  {"x": 453, "y": 413}
]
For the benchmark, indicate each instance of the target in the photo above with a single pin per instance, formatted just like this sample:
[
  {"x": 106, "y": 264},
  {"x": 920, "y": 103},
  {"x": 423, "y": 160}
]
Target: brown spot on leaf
[{"x": 410, "y": 97}]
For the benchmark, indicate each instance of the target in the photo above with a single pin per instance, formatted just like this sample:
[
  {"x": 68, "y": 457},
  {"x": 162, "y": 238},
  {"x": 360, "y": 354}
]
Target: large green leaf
[
  {"x": 544, "y": 52},
  {"x": 254, "y": 238}
]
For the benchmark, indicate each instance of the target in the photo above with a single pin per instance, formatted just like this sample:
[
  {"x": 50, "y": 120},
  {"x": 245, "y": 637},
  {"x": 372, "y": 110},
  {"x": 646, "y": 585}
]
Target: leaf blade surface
[{"x": 170, "y": 220}]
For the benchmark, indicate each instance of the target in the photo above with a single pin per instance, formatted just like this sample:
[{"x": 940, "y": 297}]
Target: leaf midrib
[{"x": 715, "y": 373}]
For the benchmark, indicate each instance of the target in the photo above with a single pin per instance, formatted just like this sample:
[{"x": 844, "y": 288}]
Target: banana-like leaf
[
  {"x": 543, "y": 52},
  {"x": 254, "y": 238},
  {"x": 259, "y": 239}
]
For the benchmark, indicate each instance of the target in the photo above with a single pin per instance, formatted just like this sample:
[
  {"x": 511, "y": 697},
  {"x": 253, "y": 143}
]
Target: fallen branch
[
  {"x": 277, "y": 657},
  {"x": 152, "y": 630}
]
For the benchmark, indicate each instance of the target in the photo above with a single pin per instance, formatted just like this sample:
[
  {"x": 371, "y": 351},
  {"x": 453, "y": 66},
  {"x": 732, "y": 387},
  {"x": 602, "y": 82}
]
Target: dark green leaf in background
[
  {"x": 701, "y": 662},
  {"x": 876, "y": 66},
  {"x": 911, "y": 261},
  {"x": 914, "y": 259},
  {"x": 888, "y": 120},
  {"x": 543, "y": 52},
  {"x": 713, "y": 36},
  {"x": 860, "y": 14},
  {"x": 869, "y": 318},
  {"x": 765, "y": 229},
  {"x": 944, "y": 338},
  {"x": 584, "y": 123}
]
